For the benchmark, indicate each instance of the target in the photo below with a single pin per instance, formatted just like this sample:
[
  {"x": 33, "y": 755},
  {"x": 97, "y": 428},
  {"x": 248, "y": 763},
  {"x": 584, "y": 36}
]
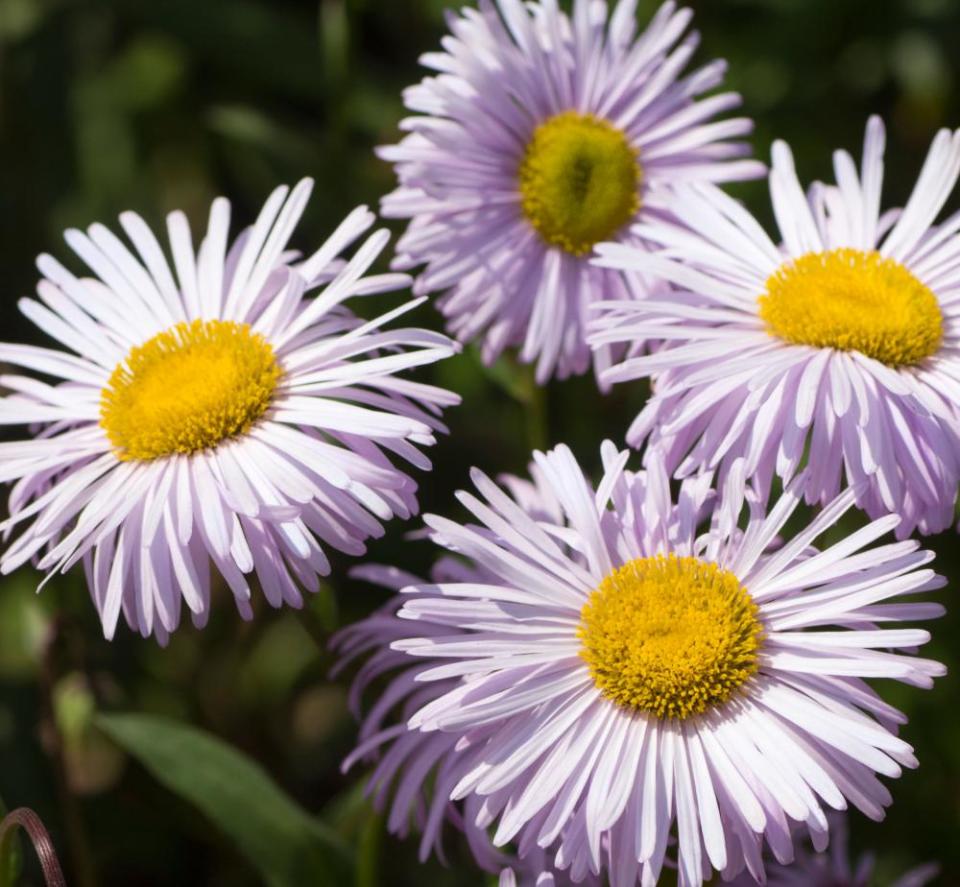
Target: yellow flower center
[
  {"x": 671, "y": 636},
  {"x": 853, "y": 300},
  {"x": 187, "y": 389},
  {"x": 579, "y": 181}
]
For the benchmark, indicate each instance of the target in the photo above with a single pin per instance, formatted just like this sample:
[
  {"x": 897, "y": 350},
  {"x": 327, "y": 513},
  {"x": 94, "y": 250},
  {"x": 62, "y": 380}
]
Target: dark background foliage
[{"x": 118, "y": 104}]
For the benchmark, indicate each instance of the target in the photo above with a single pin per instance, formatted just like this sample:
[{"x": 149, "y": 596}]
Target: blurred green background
[{"x": 118, "y": 104}]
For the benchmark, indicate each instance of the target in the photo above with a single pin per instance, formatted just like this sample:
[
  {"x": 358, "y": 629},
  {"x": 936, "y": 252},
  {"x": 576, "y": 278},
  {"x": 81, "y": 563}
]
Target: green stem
[
  {"x": 538, "y": 419},
  {"x": 368, "y": 857}
]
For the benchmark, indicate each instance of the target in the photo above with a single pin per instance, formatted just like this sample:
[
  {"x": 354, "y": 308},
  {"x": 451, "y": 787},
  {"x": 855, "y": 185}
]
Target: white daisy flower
[
  {"x": 540, "y": 135},
  {"x": 839, "y": 348},
  {"x": 217, "y": 420},
  {"x": 624, "y": 676}
]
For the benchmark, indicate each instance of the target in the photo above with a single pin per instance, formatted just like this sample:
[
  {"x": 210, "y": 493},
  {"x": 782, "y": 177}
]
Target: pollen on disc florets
[
  {"x": 670, "y": 636},
  {"x": 579, "y": 181},
  {"x": 187, "y": 389},
  {"x": 854, "y": 300}
]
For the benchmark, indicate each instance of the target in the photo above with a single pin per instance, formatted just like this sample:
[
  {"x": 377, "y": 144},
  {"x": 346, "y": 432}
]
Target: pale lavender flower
[
  {"x": 540, "y": 135},
  {"x": 216, "y": 421},
  {"x": 636, "y": 670},
  {"x": 839, "y": 348}
]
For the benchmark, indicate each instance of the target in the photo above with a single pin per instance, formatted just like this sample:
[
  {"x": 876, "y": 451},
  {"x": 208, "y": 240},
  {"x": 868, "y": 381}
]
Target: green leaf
[
  {"x": 11, "y": 855},
  {"x": 286, "y": 845}
]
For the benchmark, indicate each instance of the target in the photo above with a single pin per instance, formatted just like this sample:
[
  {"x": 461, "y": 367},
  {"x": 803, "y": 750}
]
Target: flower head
[
  {"x": 216, "y": 420},
  {"x": 838, "y": 348},
  {"x": 586, "y": 712},
  {"x": 541, "y": 135}
]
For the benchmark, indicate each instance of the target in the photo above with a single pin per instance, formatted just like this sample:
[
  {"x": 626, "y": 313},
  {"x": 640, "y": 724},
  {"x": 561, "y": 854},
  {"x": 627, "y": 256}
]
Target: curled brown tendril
[{"x": 40, "y": 838}]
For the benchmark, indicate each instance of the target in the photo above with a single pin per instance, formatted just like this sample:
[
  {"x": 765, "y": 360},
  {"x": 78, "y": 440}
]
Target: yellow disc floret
[
  {"x": 579, "y": 181},
  {"x": 187, "y": 389},
  {"x": 670, "y": 636},
  {"x": 853, "y": 300}
]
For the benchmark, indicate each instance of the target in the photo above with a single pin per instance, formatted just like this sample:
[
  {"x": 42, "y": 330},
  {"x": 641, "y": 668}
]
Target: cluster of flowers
[{"x": 609, "y": 679}]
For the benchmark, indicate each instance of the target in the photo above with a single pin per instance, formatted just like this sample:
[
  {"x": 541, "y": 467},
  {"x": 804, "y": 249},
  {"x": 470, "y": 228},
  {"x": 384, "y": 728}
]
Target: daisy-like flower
[
  {"x": 641, "y": 671},
  {"x": 840, "y": 347},
  {"x": 541, "y": 136},
  {"x": 216, "y": 421},
  {"x": 834, "y": 868}
]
